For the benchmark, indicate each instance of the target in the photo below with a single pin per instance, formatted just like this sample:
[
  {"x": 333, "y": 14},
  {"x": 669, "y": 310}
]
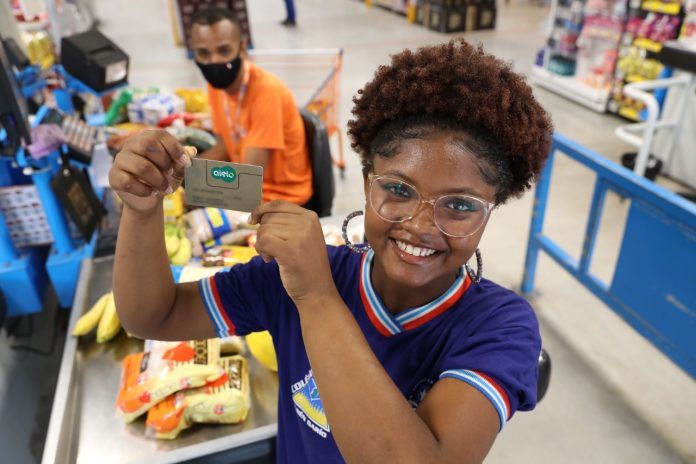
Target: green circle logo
[{"x": 225, "y": 174}]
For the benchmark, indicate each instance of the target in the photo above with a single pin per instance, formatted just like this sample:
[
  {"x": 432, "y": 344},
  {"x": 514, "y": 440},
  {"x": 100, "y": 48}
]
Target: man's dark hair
[{"x": 213, "y": 14}]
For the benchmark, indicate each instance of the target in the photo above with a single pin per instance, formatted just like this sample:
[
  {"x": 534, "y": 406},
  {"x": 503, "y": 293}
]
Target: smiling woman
[{"x": 393, "y": 351}]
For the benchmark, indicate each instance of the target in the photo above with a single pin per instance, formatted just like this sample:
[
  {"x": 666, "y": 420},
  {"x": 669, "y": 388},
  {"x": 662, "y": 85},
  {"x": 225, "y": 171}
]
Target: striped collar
[{"x": 388, "y": 324}]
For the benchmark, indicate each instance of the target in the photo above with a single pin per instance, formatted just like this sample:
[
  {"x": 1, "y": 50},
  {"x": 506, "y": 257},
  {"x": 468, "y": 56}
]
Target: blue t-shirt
[{"x": 481, "y": 334}]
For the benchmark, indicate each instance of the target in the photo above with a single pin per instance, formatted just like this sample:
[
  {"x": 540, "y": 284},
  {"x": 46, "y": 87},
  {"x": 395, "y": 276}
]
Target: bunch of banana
[
  {"x": 102, "y": 316},
  {"x": 179, "y": 248}
]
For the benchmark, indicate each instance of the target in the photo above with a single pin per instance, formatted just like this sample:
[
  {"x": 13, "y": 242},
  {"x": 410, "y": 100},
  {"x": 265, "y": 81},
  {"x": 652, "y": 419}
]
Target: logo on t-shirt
[
  {"x": 308, "y": 405},
  {"x": 419, "y": 391}
]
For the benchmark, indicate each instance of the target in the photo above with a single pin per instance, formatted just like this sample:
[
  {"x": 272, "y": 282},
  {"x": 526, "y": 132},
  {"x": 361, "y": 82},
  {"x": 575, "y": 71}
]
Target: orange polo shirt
[{"x": 269, "y": 119}]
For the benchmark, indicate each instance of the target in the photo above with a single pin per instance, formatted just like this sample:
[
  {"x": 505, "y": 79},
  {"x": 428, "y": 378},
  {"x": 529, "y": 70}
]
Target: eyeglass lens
[{"x": 457, "y": 215}]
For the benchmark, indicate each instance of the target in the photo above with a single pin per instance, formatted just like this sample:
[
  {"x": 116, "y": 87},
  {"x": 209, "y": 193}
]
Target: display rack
[
  {"x": 445, "y": 16},
  {"x": 650, "y": 23},
  {"x": 580, "y": 55}
]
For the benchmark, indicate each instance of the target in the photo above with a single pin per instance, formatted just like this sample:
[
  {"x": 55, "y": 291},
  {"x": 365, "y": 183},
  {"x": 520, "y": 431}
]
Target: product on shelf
[
  {"x": 597, "y": 46},
  {"x": 39, "y": 48},
  {"x": 687, "y": 35},
  {"x": 649, "y": 25},
  {"x": 165, "y": 368},
  {"x": 223, "y": 401},
  {"x": 454, "y": 15}
]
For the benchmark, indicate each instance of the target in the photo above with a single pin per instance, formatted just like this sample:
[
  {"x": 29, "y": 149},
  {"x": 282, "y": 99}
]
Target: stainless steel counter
[{"x": 85, "y": 427}]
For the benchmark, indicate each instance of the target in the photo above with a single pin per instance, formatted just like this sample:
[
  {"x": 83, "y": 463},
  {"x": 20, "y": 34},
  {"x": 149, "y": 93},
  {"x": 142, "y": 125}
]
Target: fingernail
[
  {"x": 169, "y": 190},
  {"x": 185, "y": 161},
  {"x": 170, "y": 171}
]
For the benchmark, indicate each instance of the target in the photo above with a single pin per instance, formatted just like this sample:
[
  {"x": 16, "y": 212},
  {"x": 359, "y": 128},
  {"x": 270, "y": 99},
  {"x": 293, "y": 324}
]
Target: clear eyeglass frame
[{"x": 486, "y": 205}]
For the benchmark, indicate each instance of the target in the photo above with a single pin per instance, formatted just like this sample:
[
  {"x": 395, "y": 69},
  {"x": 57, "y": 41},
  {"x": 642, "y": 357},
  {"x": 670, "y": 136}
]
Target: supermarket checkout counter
[{"x": 86, "y": 428}]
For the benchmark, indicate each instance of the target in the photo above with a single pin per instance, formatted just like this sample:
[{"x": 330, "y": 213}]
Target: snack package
[
  {"x": 227, "y": 255},
  {"x": 224, "y": 401},
  {"x": 208, "y": 227},
  {"x": 231, "y": 345},
  {"x": 165, "y": 368}
]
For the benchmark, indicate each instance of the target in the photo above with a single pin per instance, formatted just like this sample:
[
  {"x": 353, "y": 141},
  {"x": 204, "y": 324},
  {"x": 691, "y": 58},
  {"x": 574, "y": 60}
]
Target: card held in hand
[{"x": 219, "y": 184}]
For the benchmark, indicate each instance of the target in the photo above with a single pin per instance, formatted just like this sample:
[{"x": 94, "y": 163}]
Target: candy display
[{"x": 646, "y": 29}]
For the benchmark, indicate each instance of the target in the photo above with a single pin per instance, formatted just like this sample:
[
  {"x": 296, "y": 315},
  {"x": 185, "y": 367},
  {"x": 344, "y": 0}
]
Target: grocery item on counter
[
  {"x": 102, "y": 316},
  {"x": 151, "y": 108},
  {"x": 165, "y": 368},
  {"x": 223, "y": 401},
  {"x": 195, "y": 100},
  {"x": 173, "y": 205},
  {"x": 227, "y": 255},
  {"x": 208, "y": 227},
  {"x": 231, "y": 345},
  {"x": 109, "y": 324},
  {"x": 261, "y": 347},
  {"x": 179, "y": 247}
]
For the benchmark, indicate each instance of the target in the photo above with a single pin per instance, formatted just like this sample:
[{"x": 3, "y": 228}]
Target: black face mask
[{"x": 221, "y": 75}]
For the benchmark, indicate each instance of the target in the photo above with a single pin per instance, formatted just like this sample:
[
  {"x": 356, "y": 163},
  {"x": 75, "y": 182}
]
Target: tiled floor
[{"x": 613, "y": 397}]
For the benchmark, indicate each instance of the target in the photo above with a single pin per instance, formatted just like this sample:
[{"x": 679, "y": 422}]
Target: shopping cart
[{"x": 313, "y": 76}]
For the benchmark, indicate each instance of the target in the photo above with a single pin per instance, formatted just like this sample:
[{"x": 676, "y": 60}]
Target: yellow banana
[
  {"x": 89, "y": 320},
  {"x": 183, "y": 255},
  {"x": 109, "y": 325},
  {"x": 173, "y": 243}
]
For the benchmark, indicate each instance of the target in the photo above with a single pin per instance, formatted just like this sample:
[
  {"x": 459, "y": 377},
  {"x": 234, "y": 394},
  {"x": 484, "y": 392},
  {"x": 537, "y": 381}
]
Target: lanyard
[{"x": 235, "y": 126}]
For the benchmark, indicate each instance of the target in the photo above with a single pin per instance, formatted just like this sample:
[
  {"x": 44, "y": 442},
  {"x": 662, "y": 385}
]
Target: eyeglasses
[{"x": 455, "y": 215}]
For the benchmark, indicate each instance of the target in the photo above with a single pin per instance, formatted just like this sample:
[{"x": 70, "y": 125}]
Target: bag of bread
[
  {"x": 224, "y": 401},
  {"x": 165, "y": 368}
]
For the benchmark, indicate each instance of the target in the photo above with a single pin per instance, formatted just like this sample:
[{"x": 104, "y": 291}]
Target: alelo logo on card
[{"x": 225, "y": 174}]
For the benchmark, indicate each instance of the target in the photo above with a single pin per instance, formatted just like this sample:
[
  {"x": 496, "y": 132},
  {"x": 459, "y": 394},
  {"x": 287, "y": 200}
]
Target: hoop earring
[
  {"x": 344, "y": 229},
  {"x": 476, "y": 278}
]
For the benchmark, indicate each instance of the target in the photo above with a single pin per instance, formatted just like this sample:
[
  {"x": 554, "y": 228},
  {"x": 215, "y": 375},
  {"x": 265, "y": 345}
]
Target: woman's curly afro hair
[{"x": 455, "y": 87}]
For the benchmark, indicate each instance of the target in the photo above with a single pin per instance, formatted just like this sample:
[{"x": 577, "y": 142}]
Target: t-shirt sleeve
[
  {"x": 266, "y": 120},
  {"x": 500, "y": 358},
  {"x": 244, "y": 299}
]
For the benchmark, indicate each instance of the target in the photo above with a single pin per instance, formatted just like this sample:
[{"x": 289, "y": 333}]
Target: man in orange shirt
[{"x": 254, "y": 114}]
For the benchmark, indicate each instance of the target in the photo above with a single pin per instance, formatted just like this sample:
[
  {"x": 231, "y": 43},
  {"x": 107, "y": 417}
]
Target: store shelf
[
  {"x": 654, "y": 6},
  {"x": 571, "y": 88},
  {"x": 84, "y": 426}
]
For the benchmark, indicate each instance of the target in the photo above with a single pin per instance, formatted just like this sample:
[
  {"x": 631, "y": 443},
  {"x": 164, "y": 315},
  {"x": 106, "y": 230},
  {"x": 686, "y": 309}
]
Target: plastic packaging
[
  {"x": 223, "y": 401},
  {"x": 209, "y": 227},
  {"x": 165, "y": 368}
]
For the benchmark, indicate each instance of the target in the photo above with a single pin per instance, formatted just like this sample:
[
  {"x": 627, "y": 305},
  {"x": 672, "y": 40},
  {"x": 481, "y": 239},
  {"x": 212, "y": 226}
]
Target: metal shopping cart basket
[{"x": 313, "y": 76}]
